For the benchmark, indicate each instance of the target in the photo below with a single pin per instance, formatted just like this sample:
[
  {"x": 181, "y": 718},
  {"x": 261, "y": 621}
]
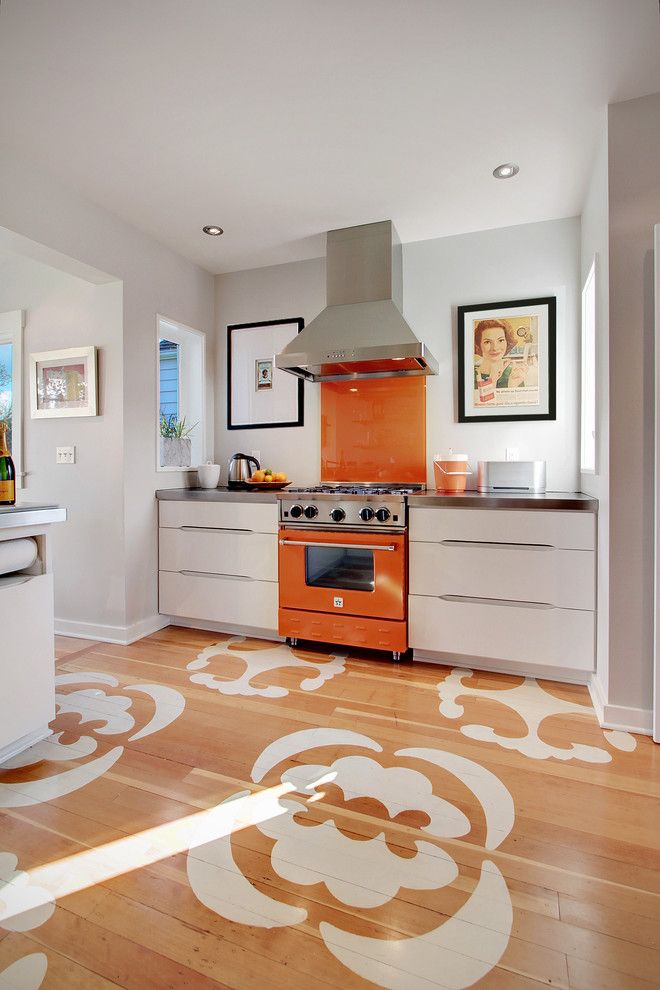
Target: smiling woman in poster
[{"x": 493, "y": 340}]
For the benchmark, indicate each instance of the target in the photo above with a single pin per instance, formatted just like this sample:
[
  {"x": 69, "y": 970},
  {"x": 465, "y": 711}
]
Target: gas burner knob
[
  {"x": 311, "y": 511},
  {"x": 382, "y": 515},
  {"x": 337, "y": 515},
  {"x": 296, "y": 511},
  {"x": 366, "y": 514}
]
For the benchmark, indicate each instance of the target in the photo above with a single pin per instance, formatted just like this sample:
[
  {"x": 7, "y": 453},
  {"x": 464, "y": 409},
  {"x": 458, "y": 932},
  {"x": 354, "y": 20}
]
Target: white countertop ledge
[{"x": 30, "y": 514}]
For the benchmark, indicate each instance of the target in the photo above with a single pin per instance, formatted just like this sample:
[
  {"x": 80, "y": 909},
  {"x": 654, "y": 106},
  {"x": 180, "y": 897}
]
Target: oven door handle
[{"x": 337, "y": 546}]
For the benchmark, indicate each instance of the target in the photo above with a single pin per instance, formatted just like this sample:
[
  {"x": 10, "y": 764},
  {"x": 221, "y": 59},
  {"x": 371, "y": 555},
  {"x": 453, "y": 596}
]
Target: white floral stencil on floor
[
  {"x": 533, "y": 705},
  {"x": 23, "y": 906},
  {"x": 27, "y": 973},
  {"x": 261, "y": 658},
  {"x": 89, "y": 717},
  {"x": 364, "y": 873}
]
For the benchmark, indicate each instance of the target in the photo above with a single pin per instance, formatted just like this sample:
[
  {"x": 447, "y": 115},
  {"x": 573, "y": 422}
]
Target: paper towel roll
[{"x": 15, "y": 555}]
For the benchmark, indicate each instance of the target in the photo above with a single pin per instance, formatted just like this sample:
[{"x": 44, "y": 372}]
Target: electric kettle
[{"x": 238, "y": 470}]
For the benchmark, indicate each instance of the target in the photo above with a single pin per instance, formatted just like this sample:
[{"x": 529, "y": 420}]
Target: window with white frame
[
  {"x": 180, "y": 352},
  {"x": 588, "y": 397},
  {"x": 11, "y": 377}
]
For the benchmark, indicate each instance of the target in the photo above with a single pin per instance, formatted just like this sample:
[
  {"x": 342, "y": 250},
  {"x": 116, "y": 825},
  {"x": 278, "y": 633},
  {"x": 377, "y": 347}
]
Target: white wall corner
[
  {"x": 638, "y": 720},
  {"x": 122, "y": 635}
]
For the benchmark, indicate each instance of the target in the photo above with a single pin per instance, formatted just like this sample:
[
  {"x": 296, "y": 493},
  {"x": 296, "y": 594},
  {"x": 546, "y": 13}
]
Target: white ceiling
[{"x": 280, "y": 119}]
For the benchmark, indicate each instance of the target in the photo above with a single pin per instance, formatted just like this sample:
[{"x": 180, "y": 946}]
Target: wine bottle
[{"x": 7, "y": 470}]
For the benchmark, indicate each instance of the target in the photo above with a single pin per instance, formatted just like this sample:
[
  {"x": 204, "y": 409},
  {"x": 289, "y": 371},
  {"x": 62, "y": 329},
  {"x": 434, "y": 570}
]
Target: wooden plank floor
[{"x": 218, "y": 812}]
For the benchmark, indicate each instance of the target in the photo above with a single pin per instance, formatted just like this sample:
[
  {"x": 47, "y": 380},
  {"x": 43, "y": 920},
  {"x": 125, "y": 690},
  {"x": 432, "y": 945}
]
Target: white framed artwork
[{"x": 63, "y": 383}]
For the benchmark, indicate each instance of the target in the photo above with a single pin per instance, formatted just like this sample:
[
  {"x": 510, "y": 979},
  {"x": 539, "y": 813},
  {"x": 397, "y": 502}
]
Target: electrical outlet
[
  {"x": 512, "y": 454},
  {"x": 65, "y": 455},
  {"x": 257, "y": 454}
]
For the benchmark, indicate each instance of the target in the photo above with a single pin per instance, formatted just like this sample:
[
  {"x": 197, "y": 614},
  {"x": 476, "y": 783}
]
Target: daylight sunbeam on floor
[{"x": 29, "y": 890}]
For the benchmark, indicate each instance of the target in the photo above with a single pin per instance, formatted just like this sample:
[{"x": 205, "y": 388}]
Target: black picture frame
[
  {"x": 296, "y": 321},
  {"x": 467, "y": 413}
]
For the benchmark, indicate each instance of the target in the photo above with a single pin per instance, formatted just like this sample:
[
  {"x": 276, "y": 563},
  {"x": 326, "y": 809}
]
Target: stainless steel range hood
[{"x": 361, "y": 333}]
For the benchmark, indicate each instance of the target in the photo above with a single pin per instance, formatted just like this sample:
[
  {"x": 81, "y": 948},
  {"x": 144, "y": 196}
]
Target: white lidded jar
[{"x": 208, "y": 475}]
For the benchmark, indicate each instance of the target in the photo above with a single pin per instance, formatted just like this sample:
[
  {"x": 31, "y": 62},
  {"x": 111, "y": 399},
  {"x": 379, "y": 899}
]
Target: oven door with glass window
[{"x": 361, "y": 574}]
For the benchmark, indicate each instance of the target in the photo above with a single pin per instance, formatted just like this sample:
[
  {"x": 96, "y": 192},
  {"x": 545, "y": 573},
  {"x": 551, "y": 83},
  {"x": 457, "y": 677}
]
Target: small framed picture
[
  {"x": 506, "y": 361},
  {"x": 63, "y": 383},
  {"x": 260, "y": 395},
  {"x": 263, "y": 373}
]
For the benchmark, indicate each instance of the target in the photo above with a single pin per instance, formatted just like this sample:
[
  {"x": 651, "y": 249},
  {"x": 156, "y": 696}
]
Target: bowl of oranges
[{"x": 266, "y": 480}]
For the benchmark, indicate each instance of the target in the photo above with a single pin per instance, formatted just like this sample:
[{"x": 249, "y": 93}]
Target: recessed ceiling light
[
  {"x": 213, "y": 230},
  {"x": 506, "y": 171}
]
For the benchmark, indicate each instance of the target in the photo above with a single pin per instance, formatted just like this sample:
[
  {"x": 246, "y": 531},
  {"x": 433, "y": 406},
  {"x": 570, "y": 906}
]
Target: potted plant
[{"x": 175, "y": 442}]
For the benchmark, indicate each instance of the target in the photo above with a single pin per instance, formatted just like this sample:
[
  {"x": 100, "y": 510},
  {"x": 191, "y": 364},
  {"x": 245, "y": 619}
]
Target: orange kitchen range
[{"x": 343, "y": 566}]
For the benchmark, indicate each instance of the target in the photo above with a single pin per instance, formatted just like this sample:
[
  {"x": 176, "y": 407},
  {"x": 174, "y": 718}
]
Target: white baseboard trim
[
  {"x": 13, "y": 749},
  {"x": 122, "y": 635},
  {"x": 226, "y": 627},
  {"x": 639, "y": 720},
  {"x": 566, "y": 675}
]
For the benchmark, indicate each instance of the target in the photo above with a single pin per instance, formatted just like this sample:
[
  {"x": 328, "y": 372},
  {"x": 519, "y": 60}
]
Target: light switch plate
[
  {"x": 256, "y": 454},
  {"x": 65, "y": 455},
  {"x": 512, "y": 454}
]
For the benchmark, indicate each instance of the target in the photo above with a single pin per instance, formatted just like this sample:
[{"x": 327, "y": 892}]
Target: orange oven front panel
[
  {"x": 300, "y": 577},
  {"x": 348, "y": 630}
]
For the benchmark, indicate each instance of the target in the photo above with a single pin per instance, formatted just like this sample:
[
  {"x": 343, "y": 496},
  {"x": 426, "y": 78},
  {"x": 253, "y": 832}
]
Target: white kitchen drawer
[
  {"x": 259, "y": 517},
  {"x": 525, "y": 634},
  {"x": 561, "y": 529},
  {"x": 232, "y": 600},
  {"x": 27, "y": 699},
  {"x": 565, "y": 578},
  {"x": 241, "y": 552}
]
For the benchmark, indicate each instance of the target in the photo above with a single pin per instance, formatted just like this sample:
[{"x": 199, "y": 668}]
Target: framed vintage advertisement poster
[
  {"x": 506, "y": 361},
  {"x": 259, "y": 395},
  {"x": 63, "y": 383}
]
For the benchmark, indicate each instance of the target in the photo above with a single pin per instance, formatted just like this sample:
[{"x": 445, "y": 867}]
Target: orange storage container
[{"x": 451, "y": 472}]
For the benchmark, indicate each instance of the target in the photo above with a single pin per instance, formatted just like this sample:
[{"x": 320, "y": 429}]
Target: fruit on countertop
[{"x": 266, "y": 475}]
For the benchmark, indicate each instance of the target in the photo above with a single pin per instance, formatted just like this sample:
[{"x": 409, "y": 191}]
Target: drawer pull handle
[
  {"x": 216, "y": 529},
  {"x": 496, "y": 601},
  {"x": 475, "y": 544},
  {"x": 221, "y": 577}
]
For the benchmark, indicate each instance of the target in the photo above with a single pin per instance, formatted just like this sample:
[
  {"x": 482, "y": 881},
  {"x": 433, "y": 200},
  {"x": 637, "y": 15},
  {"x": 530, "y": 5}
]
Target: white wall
[
  {"x": 634, "y": 208},
  {"x": 439, "y": 275},
  {"x": 281, "y": 291},
  {"x": 155, "y": 280},
  {"x": 595, "y": 243},
  {"x": 65, "y": 311},
  {"x": 540, "y": 259}
]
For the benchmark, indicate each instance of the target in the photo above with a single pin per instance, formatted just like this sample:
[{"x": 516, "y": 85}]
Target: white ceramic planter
[{"x": 175, "y": 451}]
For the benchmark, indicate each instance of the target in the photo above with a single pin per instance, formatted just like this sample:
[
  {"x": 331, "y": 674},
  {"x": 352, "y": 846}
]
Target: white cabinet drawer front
[
  {"x": 242, "y": 553},
  {"x": 565, "y": 578},
  {"x": 236, "y": 601},
  {"x": 27, "y": 699},
  {"x": 565, "y": 530},
  {"x": 255, "y": 516},
  {"x": 528, "y": 635}
]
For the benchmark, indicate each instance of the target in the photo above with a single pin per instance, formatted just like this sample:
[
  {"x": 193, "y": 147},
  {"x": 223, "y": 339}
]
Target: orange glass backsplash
[{"x": 374, "y": 430}]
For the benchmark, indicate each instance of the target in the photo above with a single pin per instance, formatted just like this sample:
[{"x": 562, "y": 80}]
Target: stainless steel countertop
[
  {"x": 30, "y": 514},
  {"x": 569, "y": 501},
  {"x": 213, "y": 495}
]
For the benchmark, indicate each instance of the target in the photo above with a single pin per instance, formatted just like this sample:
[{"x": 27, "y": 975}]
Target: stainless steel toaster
[{"x": 511, "y": 476}]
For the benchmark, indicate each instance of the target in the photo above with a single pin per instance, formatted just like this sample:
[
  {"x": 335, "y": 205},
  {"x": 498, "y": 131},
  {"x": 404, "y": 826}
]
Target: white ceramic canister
[{"x": 208, "y": 475}]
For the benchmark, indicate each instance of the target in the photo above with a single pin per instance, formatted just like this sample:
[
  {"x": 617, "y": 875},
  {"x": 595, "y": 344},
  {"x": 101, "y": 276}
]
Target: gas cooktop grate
[{"x": 354, "y": 490}]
